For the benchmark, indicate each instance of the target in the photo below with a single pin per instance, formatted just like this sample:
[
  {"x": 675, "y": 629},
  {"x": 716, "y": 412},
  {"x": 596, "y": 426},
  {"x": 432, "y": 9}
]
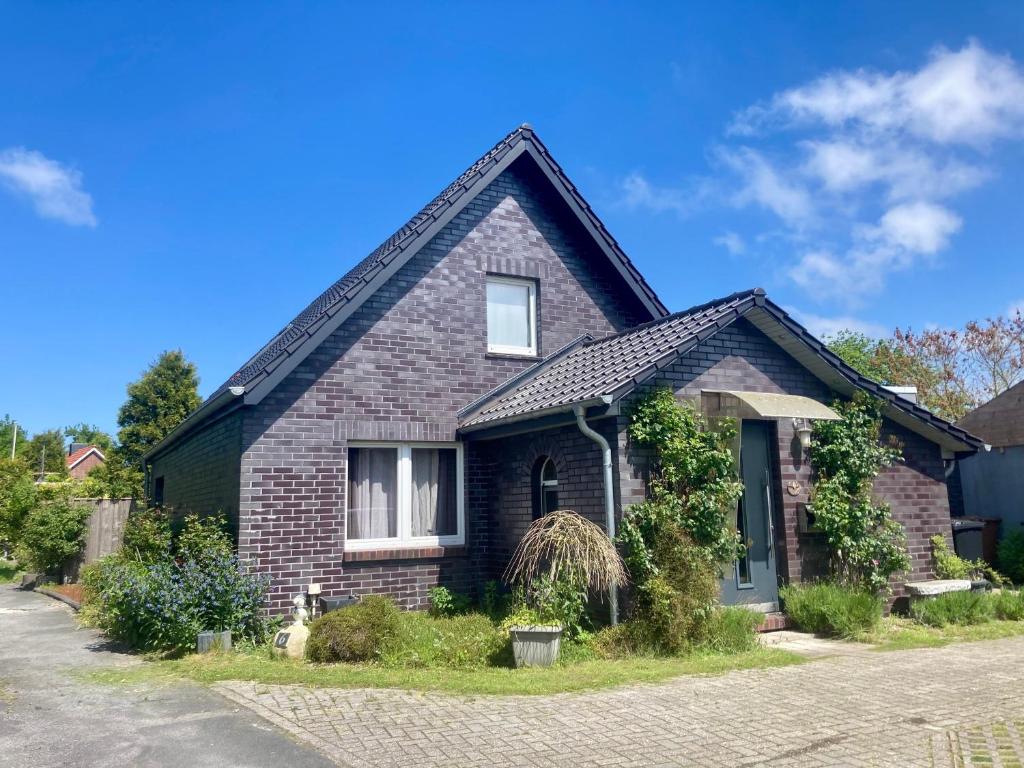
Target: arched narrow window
[{"x": 545, "y": 487}]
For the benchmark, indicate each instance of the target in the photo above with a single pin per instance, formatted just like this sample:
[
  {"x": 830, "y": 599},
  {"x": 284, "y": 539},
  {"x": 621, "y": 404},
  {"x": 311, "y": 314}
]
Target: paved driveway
[
  {"x": 49, "y": 717},
  {"x": 908, "y": 708}
]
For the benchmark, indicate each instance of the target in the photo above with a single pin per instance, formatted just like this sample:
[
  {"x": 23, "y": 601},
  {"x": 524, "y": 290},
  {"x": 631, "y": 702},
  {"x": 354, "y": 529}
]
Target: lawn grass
[
  {"x": 8, "y": 571},
  {"x": 592, "y": 674},
  {"x": 898, "y": 634}
]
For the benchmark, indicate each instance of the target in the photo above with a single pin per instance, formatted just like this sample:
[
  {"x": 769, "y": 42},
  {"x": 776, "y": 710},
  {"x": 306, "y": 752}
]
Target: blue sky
[{"x": 187, "y": 176}]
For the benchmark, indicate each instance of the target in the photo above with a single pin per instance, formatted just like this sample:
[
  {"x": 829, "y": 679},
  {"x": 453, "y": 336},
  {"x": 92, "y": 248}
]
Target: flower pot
[
  {"x": 213, "y": 641},
  {"x": 536, "y": 646}
]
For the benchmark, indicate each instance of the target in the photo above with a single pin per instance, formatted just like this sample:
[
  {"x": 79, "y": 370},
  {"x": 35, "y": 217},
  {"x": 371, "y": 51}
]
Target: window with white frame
[
  {"x": 511, "y": 316},
  {"x": 404, "y": 494}
]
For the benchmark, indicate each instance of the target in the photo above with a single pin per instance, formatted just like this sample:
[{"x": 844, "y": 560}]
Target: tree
[
  {"x": 90, "y": 434},
  {"x": 7, "y": 427},
  {"x": 160, "y": 400},
  {"x": 971, "y": 366},
  {"x": 46, "y": 450},
  {"x": 18, "y": 495},
  {"x": 954, "y": 370}
]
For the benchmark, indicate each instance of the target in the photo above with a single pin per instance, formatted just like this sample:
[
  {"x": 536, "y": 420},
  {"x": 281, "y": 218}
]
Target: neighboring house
[
  {"x": 82, "y": 459},
  {"x": 990, "y": 484},
  {"x": 408, "y": 425}
]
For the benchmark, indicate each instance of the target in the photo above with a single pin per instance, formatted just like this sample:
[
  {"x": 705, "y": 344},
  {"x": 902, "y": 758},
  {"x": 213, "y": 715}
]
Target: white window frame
[
  {"x": 531, "y": 285},
  {"x": 405, "y": 539}
]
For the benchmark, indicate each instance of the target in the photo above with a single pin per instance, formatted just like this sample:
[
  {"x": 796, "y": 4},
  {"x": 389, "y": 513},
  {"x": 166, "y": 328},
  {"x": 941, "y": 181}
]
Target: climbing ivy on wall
[{"x": 866, "y": 546}]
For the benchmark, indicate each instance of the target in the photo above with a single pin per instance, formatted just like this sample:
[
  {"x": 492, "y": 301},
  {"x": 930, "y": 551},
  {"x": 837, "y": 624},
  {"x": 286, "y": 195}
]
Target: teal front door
[{"x": 753, "y": 579}]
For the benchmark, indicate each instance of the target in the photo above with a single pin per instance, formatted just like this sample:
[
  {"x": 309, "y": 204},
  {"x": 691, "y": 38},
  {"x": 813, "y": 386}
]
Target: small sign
[{"x": 281, "y": 641}]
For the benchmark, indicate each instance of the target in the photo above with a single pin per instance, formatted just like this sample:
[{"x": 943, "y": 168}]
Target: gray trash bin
[{"x": 967, "y": 538}]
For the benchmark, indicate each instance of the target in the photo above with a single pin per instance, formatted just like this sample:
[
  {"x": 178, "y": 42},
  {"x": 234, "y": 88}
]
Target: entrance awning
[{"x": 764, "y": 405}]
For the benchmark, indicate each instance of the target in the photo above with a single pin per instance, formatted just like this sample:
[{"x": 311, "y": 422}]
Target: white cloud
[
  {"x": 919, "y": 227},
  {"x": 732, "y": 242},
  {"x": 821, "y": 326},
  {"x": 763, "y": 185},
  {"x": 54, "y": 189},
  {"x": 638, "y": 192},
  {"x": 862, "y": 168},
  {"x": 970, "y": 96}
]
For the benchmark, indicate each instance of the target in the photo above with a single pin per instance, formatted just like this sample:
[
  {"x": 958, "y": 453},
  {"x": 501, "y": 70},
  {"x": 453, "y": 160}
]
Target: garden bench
[{"x": 921, "y": 590}]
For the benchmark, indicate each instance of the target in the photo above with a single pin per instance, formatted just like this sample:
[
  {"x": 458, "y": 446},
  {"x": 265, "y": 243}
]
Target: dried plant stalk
[{"x": 564, "y": 543}]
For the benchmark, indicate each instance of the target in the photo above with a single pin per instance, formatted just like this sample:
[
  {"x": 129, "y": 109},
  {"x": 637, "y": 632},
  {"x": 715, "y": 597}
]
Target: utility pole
[
  {"x": 14, "y": 441},
  {"x": 42, "y": 464}
]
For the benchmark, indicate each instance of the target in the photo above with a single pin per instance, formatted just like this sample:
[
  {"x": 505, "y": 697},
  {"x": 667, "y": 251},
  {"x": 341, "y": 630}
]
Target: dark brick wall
[
  {"x": 742, "y": 358},
  {"x": 399, "y": 369},
  {"x": 201, "y": 472},
  {"x": 503, "y": 501}
]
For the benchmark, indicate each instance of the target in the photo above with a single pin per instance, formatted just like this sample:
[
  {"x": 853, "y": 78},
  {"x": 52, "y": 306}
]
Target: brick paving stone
[{"x": 930, "y": 707}]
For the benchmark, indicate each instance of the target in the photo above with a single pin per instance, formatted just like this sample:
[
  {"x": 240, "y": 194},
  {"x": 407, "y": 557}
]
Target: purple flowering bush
[{"x": 164, "y": 605}]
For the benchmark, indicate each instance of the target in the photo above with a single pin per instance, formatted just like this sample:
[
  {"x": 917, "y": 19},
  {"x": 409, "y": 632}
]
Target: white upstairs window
[{"x": 511, "y": 316}]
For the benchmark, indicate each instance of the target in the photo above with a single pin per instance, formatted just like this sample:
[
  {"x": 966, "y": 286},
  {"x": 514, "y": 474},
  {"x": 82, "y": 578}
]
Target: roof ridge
[{"x": 682, "y": 313}]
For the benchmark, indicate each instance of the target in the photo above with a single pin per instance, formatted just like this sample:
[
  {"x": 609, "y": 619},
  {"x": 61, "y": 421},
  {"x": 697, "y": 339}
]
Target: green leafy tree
[
  {"x": 866, "y": 545},
  {"x": 7, "y": 428},
  {"x": 45, "y": 450},
  {"x": 158, "y": 402},
  {"x": 91, "y": 435},
  {"x": 18, "y": 496},
  {"x": 114, "y": 479}
]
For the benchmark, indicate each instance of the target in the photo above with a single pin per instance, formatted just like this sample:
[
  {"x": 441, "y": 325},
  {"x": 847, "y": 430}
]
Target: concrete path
[
  {"x": 49, "y": 717},
  {"x": 934, "y": 708}
]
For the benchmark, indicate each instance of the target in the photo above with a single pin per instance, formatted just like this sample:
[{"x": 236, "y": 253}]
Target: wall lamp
[{"x": 803, "y": 433}]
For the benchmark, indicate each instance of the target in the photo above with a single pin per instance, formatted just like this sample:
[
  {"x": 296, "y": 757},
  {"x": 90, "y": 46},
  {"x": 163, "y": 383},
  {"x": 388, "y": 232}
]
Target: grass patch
[
  {"x": 8, "y": 571},
  {"x": 578, "y": 676},
  {"x": 899, "y": 634}
]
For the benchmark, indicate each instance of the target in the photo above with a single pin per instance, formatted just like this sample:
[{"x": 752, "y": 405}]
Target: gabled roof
[
  {"x": 358, "y": 283},
  {"x": 1000, "y": 421},
  {"x": 289, "y": 346},
  {"x": 604, "y": 370},
  {"x": 78, "y": 456}
]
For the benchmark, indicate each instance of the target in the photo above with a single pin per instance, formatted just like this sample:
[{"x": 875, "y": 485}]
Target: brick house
[
  {"x": 476, "y": 371},
  {"x": 82, "y": 459}
]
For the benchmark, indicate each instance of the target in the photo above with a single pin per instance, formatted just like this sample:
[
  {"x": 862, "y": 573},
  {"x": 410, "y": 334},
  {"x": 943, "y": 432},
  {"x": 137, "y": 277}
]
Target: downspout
[{"x": 609, "y": 496}]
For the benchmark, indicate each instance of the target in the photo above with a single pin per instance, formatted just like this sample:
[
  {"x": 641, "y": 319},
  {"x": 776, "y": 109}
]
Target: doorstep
[{"x": 774, "y": 622}]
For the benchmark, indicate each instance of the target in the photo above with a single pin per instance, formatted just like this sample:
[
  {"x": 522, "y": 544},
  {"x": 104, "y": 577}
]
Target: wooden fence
[{"x": 106, "y": 530}]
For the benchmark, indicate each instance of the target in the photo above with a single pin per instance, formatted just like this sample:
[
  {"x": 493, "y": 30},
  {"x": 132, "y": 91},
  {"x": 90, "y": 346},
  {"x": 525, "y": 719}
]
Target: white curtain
[
  {"x": 433, "y": 492},
  {"x": 508, "y": 315},
  {"x": 373, "y": 493}
]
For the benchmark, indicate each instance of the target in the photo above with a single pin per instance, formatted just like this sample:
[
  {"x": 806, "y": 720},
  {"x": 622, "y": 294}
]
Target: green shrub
[
  {"x": 949, "y": 565},
  {"x": 563, "y": 602},
  {"x": 731, "y": 629},
  {"x": 673, "y": 606},
  {"x": 1011, "y": 557},
  {"x": 832, "y": 609},
  {"x": 204, "y": 538},
  {"x": 444, "y": 602},
  {"x": 53, "y": 532},
  {"x": 495, "y": 603},
  {"x": 620, "y": 642},
  {"x": 147, "y": 536},
  {"x": 421, "y": 640},
  {"x": 962, "y": 608},
  {"x": 163, "y": 606},
  {"x": 360, "y": 632},
  {"x": 1009, "y": 605}
]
